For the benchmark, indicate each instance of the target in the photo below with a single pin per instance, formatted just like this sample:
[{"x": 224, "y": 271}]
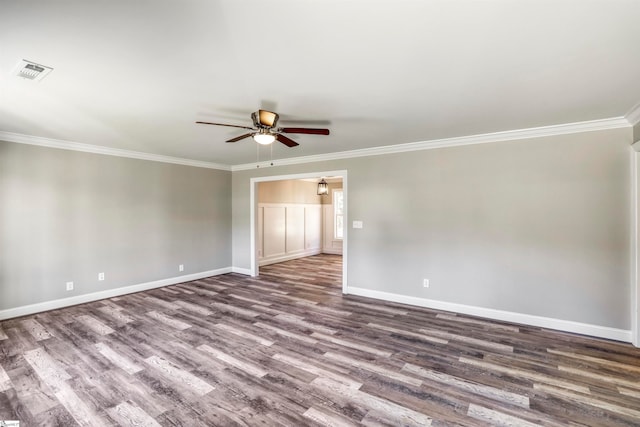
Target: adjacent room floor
[{"x": 288, "y": 349}]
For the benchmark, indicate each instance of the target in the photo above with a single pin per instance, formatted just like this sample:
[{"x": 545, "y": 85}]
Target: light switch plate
[{"x": 357, "y": 224}]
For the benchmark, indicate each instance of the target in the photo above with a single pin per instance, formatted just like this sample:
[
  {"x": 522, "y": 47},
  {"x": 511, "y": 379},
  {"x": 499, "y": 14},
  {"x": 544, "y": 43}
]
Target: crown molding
[
  {"x": 108, "y": 151},
  {"x": 511, "y": 135},
  {"x": 633, "y": 116},
  {"x": 630, "y": 119}
]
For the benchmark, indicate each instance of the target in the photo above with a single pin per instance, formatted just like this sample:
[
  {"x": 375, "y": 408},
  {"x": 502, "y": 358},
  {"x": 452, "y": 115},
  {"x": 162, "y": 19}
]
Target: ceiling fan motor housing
[{"x": 265, "y": 119}]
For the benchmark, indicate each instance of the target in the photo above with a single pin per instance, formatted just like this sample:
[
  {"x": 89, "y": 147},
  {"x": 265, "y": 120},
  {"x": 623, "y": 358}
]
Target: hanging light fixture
[
  {"x": 323, "y": 188},
  {"x": 264, "y": 137}
]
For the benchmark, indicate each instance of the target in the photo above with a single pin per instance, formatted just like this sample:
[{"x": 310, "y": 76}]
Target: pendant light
[{"x": 323, "y": 188}]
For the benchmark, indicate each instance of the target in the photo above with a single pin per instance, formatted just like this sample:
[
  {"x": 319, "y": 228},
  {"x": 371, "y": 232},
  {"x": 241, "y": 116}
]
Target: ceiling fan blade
[
  {"x": 238, "y": 138},
  {"x": 286, "y": 141},
  {"x": 223, "y": 124},
  {"x": 305, "y": 130}
]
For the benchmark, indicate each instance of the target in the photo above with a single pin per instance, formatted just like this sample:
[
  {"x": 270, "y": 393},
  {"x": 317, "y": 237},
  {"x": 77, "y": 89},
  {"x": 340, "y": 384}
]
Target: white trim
[
  {"x": 507, "y": 316},
  {"x": 633, "y": 116},
  {"x": 245, "y": 271},
  {"x": 630, "y": 119},
  {"x": 288, "y": 205},
  {"x": 108, "y": 293},
  {"x": 253, "y": 182},
  {"x": 107, "y": 151},
  {"x": 345, "y": 236},
  {"x": 331, "y": 251},
  {"x": 288, "y": 257},
  {"x": 253, "y": 226},
  {"x": 635, "y": 237},
  {"x": 562, "y": 129}
]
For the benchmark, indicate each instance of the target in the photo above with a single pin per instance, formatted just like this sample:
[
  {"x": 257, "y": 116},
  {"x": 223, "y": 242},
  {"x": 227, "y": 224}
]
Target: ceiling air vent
[{"x": 31, "y": 71}]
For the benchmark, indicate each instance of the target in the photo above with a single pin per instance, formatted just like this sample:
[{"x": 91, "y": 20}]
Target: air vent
[{"x": 31, "y": 71}]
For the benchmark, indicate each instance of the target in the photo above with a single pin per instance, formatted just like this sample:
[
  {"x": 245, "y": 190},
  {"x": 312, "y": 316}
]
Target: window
[{"x": 338, "y": 214}]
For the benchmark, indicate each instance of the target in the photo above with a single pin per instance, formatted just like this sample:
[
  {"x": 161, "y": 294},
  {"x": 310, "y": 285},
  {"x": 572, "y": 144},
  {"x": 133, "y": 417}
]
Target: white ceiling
[{"x": 136, "y": 75}]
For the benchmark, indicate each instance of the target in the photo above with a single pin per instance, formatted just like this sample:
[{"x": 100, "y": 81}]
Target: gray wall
[
  {"x": 66, "y": 216},
  {"x": 538, "y": 226},
  {"x": 636, "y": 133}
]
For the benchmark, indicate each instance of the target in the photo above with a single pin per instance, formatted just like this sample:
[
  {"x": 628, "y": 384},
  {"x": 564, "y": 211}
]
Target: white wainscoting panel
[
  {"x": 287, "y": 231},
  {"x": 294, "y": 228},
  {"x": 274, "y": 231},
  {"x": 313, "y": 226}
]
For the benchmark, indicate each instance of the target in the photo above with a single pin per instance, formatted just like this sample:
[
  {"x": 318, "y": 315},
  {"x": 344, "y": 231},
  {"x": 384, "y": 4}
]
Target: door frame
[
  {"x": 635, "y": 244},
  {"x": 253, "y": 208}
]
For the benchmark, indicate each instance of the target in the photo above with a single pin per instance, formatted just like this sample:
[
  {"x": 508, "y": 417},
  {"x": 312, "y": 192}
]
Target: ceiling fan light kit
[
  {"x": 265, "y": 131},
  {"x": 264, "y": 138}
]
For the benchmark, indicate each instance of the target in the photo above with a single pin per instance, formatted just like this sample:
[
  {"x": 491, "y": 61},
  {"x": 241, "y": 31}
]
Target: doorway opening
[{"x": 269, "y": 218}]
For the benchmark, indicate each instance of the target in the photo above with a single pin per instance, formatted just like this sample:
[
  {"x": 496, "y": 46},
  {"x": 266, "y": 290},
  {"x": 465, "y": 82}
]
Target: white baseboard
[
  {"x": 506, "y": 316},
  {"x": 26, "y": 310},
  {"x": 332, "y": 251},
  {"x": 288, "y": 257},
  {"x": 245, "y": 271}
]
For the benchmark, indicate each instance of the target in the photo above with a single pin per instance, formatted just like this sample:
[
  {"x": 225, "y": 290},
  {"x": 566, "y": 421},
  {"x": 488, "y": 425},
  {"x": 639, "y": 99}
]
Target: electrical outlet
[
  {"x": 425, "y": 283},
  {"x": 101, "y": 276},
  {"x": 69, "y": 286},
  {"x": 181, "y": 267}
]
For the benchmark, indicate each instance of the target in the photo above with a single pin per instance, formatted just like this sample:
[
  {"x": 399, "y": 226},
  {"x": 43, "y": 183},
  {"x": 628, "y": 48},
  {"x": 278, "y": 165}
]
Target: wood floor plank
[
  {"x": 118, "y": 360},
  {"x": 117, "y": 314},
  {"x": 285, "y": 333},
  {"x": 127, "y": 414},
  {"x": 534, "y": 376},
  {"x": 633, "y": 413},
  {"x": 309, "y": 366},
  {"x": 168, "y": 320},
  {"x": 373, "y": 367},
  {"x": 497, "y": 418},
  {"x": 47, "y": 369},
  {"x": 195, "y": 308},
  {"x": 404, "y": 416},
  {"x": 243, "y": 334},
  {"x": 233, "y": 361},
  {"x": 79, "y": 409},
  {"x": 95, "y": 325},
  {"x": 476, "y": 388},
  {"x": 31, "y": 393},
  {"x": 36, "y": 329},
  {"x": 5, "y": 381},
  {"x": 172, "y": 371},
  {"x": 327, "y": 418},
  {"x": 483, "y": 323},
  {"x": 287, "y": 348},
  {"x": 424, "y": 337},
  {"x": 352, "y": 344}
]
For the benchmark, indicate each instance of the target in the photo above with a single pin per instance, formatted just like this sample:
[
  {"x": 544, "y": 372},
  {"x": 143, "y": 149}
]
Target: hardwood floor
[{"x": 288, "y": 349}]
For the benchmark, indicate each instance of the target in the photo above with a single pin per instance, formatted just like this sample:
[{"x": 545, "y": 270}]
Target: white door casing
[{"x": 253, "y": 205}]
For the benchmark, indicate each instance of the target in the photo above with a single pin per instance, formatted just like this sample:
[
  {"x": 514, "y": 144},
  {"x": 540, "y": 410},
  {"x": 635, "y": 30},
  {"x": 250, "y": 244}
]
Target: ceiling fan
[{"x": 264, "y": 130}]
